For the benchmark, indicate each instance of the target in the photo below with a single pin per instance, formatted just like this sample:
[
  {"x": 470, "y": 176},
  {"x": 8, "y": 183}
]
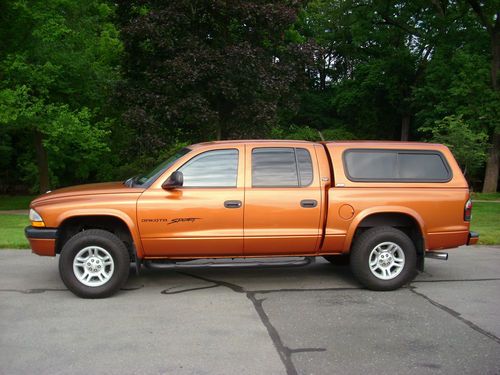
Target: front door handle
[
  {"x": 308, "y": 203},
  {"x": 232, "y": 204}
]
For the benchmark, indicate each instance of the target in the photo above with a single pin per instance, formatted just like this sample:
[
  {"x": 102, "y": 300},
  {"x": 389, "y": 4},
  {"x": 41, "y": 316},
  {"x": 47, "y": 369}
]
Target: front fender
[{"x": 129, "y": 222}]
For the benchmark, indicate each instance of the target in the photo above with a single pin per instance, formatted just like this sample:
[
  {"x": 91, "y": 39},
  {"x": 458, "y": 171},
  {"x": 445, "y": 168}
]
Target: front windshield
[{"x": 151, "y": 176}]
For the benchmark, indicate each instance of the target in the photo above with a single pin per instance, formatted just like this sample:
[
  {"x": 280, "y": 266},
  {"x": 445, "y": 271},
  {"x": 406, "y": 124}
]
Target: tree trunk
[
  {"x": 218, "y": 134},
  {"x": 495, "y": 58},
  {"x": 42, "y": 162},
  {"x": 405, "y": 128},
  {"x": 492, "y": 166}
]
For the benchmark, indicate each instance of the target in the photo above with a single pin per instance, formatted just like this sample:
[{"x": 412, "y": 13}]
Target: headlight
[{"x": 36, "y": 219}]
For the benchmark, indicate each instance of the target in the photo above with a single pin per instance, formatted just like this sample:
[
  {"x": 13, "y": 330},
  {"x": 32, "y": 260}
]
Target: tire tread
[
  {"x": 114, "y": 245},
  {"x": 362, "y": 247}
]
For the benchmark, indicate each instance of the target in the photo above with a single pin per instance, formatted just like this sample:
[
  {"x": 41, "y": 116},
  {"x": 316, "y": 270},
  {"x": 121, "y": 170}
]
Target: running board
[
  {"x": 436, "y": 255},
  {"x": 165, "y": 264}
]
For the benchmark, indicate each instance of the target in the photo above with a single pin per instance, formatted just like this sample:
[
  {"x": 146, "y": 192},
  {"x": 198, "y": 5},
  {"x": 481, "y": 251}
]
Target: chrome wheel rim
[
  {"x": 386, "y": 260},
  {"x": 93, "y": 266}
]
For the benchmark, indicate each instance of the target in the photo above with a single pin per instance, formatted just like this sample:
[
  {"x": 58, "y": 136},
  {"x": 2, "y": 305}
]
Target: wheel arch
[
  {"x": 116, "y": 222},
  {"x": 402, "y": 218}
]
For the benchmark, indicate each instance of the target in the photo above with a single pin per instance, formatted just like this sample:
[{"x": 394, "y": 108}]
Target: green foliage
[
  {"x": 140, "y": 164},
  {"x": 338, "y": 134},
  {"x": 198, "y": 70},
  {"x": 295, "y": 132},
  {"x": 459, "y": 85},
  {"x": 309, "y": 134},
  {"x": 380, "y": 66},
  {"x": 15, "y": 202},
  {"x": 468, "y": 145},
  {"x": 76, "y": 145},
  {"x": 58, "y": 64},
  {"x": 106, "y": 89}
]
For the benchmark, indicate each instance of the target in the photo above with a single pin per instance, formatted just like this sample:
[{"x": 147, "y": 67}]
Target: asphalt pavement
[{"x": 311, "y": 320}]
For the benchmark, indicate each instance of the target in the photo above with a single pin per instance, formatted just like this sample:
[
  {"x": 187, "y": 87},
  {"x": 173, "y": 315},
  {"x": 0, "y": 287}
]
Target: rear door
[{"x": 282, "y": 200}]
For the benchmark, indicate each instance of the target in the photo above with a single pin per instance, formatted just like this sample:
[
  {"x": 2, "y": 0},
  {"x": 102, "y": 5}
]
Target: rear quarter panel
[{"x": 437, "y": 207}]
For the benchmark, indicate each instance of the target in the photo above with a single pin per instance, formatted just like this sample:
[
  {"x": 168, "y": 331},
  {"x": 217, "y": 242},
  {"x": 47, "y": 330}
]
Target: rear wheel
[
  {"x": 383, "y": 258},
  {"x": 94, "y": 264}
]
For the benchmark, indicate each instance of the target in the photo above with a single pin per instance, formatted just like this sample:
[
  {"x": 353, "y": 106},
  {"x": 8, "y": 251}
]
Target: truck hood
[{"x": 89, "y": 189}]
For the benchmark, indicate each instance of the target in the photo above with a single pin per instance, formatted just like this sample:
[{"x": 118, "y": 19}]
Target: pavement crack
[
  {"x": 169, "y": 290},
  {"x": 266, "y": 291},
  {"x": 455, "y": 280},
  {"x": 233, "y": 287},
  {"x": 307, "y": 350},
  {"x": 283, "y": 351},
  {"x": 33, "y": 291},
  {"x": 456, "y": 315},
  {"x": 43, "y": 290}
]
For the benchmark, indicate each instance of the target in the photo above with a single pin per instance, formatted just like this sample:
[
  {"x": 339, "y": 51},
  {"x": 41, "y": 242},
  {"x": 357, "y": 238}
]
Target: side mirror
[{"x": 175, "y": 180}]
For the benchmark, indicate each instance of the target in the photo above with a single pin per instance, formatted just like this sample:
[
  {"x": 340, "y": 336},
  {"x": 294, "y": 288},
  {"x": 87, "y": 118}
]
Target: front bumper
[
  {"x": 473, "y": 238},
  {"x": 42, "y": 240}
]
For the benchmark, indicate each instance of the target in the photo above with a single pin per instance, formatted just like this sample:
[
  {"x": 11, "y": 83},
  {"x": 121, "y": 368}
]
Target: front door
[
  {"x": 203, "y": 218},
  {"x": 282, "y": 200}
]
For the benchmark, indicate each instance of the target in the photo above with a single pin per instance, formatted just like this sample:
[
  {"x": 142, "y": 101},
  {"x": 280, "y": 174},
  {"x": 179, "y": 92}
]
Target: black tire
[
  {"x": 104, "y": 240},
  {"x": 338, "y": 260},
  {"x": 367, "y": 242}
]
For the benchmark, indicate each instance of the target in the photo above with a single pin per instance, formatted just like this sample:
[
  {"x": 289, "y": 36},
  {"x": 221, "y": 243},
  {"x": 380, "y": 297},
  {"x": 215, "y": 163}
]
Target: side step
[
  {"x": 436, "y": 255},
  {"x": 224, "y": 263}
]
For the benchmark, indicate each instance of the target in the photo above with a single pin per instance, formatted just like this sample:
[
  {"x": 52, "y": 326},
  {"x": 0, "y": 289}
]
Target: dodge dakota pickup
[{"x": 382, "y": 207}]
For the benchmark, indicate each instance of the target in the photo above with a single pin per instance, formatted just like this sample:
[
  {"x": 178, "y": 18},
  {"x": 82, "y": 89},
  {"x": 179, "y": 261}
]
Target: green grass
[
  {"x": 15, "y": 202},
  {"x": 486, "y": 221},
  {"x": 486, "y": 196},
  {"x": 12, "y": 232}
]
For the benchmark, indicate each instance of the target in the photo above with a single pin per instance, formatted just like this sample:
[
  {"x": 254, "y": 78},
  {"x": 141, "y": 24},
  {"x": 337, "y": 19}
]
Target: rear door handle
[
  {"x": 232, "y": 204},
  {"x": 308, "y": 203}
]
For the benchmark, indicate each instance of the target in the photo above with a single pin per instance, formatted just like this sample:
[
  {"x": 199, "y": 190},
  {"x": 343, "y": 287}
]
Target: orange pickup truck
[{"x": 380, "y": 206}]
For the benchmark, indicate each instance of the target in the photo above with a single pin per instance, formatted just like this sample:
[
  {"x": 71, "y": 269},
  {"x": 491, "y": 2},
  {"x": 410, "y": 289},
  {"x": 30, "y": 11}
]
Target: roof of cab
[
  {"x": 362, "y": 143},
  {"x": 241, "y": 141}
]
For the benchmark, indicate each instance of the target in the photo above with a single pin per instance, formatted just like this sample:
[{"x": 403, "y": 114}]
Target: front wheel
[
  {"x": 383, "y": 258},
  {"x": 94, "y": 264}
]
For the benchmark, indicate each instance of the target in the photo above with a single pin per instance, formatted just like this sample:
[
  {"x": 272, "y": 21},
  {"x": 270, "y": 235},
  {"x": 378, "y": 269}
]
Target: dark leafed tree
[{"x": 206, "y": 69}]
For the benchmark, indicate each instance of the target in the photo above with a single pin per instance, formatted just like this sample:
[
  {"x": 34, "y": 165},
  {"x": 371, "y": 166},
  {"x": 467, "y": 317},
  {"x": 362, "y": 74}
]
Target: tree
[
  {"x": 467, "y": 144},
  {"x": 457, "y": 88},
  {"x": 369, "y": 56},
  {"x": 206, "y": 69},
  {"x": 57, "y": 61},
  {"x": 488, "y": 14},
  {"x": 385, "y": 69}
]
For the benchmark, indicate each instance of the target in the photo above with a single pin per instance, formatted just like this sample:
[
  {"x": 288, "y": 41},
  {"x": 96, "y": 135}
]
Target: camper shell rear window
[{"x": 388, "y": 165}]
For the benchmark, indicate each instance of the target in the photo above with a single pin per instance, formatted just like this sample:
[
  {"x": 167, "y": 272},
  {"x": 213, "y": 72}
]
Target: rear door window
[{"x": 281, "y": 167}]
